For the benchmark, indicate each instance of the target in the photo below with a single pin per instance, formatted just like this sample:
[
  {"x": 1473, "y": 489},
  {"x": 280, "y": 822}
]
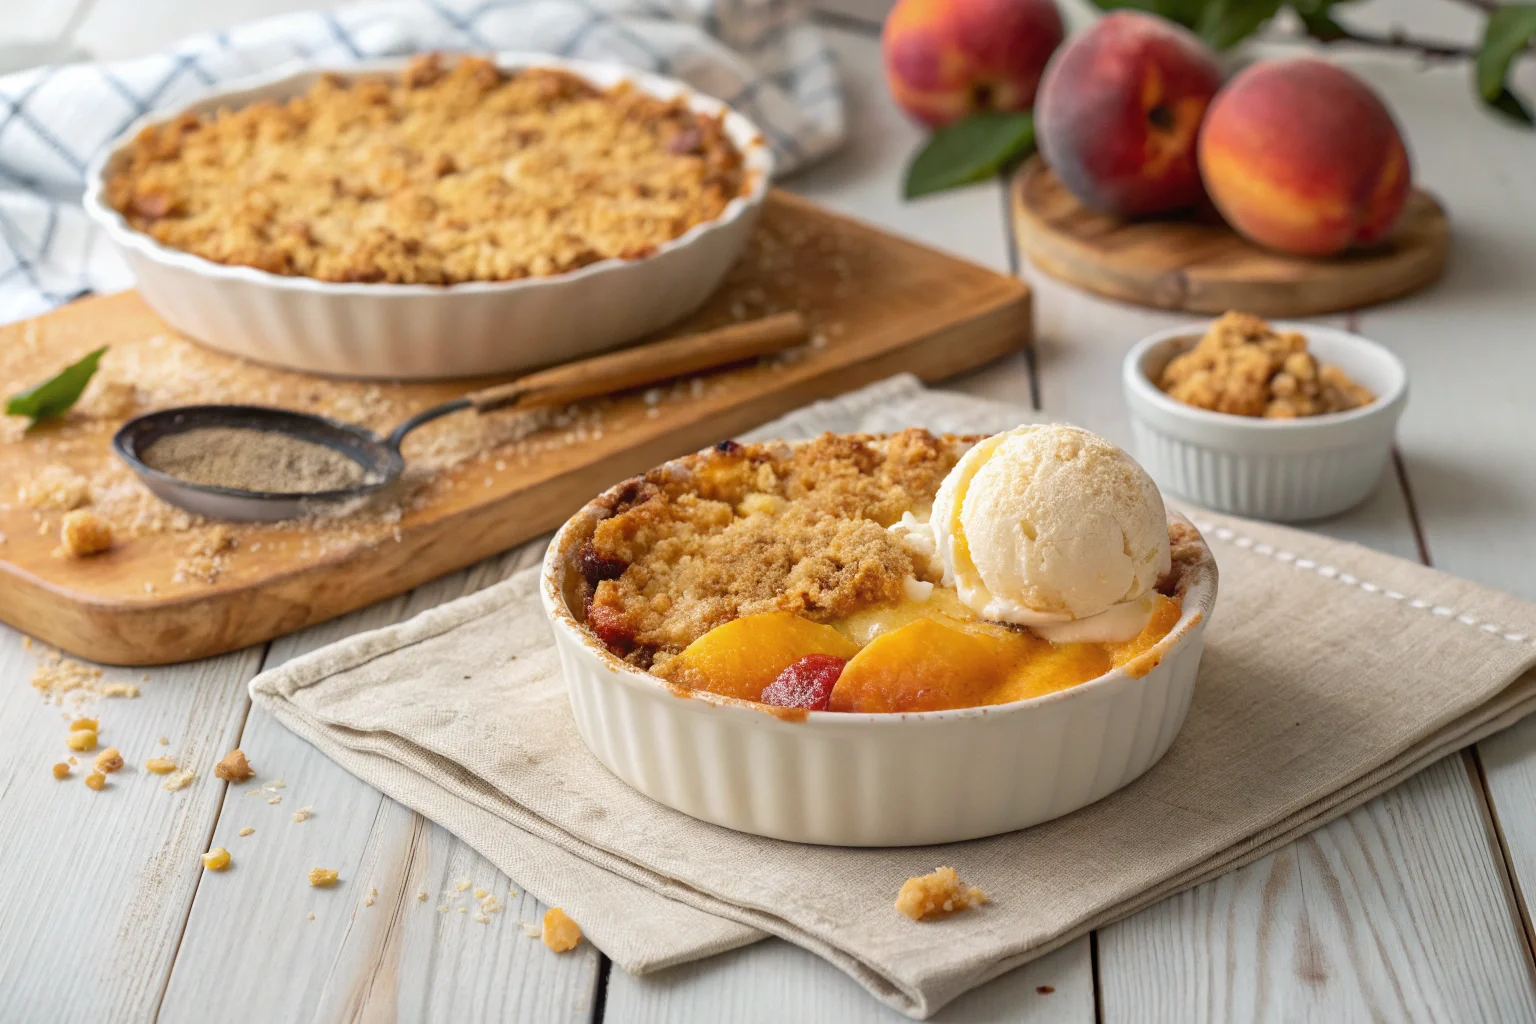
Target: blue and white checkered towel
[{"x": 760, "y": 56}]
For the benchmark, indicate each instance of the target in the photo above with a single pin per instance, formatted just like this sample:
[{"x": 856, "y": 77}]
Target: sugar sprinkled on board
[{"x": 793, "y": 261}]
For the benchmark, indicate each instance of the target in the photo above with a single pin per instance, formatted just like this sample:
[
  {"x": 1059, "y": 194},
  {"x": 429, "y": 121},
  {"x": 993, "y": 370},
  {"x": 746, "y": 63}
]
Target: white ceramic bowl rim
[
  {"x": 1199, "y": 599},
  {"x": 757, "y": 161},
  {"x": 1387, "y": 403}
]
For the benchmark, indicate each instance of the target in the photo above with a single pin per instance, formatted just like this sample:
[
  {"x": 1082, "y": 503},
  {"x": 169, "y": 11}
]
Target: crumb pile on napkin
[{"x": 1330, "y": 674}]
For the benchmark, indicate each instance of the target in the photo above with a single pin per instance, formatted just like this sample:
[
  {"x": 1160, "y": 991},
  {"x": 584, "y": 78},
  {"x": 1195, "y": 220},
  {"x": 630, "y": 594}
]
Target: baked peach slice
[
  {"x": 928, "y": 666},
  {"x": 741, "y": 657}
]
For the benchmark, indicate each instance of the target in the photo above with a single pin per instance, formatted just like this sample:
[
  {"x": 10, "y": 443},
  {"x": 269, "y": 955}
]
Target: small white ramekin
[
  {"x": 870, "y": 779},
  {"x": 1283, "y": 470},
  {"x": 414, "y": 331}
]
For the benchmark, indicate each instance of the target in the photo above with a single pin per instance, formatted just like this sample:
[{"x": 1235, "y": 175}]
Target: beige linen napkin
[{"x": 1331, "y": 673}]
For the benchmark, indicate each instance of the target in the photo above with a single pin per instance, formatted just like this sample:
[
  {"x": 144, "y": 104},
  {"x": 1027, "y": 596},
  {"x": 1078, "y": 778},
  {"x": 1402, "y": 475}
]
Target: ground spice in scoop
[{"x": 252, "y": 460}]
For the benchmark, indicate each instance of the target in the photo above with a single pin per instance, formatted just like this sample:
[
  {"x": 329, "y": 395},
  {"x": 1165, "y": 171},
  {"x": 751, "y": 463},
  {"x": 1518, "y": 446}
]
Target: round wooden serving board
[{"x": 1205, "y": 267}]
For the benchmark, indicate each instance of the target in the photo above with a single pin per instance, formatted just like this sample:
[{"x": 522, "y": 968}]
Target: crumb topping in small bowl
[{"x": 1245, "y": 367}]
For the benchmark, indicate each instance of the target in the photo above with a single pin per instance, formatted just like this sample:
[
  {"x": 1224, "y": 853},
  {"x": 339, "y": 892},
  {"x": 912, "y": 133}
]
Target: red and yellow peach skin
[
  {"x": 1119, "y": 111},
  {"x": 945, "y": 59},
  {"x": 1302, "y": 157}
]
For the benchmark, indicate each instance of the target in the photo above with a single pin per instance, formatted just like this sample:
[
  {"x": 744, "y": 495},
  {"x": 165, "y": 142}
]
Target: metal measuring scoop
[{"x": 380, "y": 457}]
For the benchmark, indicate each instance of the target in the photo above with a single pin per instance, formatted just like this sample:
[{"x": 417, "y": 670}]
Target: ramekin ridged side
[
  {"x": 427, "y": 331},
  {"x": 874, "y": 780},
  {"x": 1282, "y": 470}
]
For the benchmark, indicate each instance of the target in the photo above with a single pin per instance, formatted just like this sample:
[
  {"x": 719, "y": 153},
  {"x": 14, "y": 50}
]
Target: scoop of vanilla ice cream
[{"x": 1050, "y": 524}]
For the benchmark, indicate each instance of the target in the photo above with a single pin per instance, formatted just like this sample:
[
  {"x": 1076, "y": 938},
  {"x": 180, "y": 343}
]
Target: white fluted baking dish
[
  {"x": 415, "y": 331},
  {"x": 1283, "y": 470},
  {"x": 871, "y": 779}
]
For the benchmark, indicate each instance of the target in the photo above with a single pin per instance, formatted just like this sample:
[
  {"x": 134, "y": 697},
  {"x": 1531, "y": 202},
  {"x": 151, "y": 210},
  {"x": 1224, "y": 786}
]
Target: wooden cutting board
[
  {"x": 1203, "y": 266},
  {"x": 173, "y": 588}
]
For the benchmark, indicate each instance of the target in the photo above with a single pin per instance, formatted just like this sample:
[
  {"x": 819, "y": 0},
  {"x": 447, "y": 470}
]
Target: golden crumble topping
[
  {"x": 757, "y": 528},
  {"x": 937, "y": 894},
  {"x": 1245, "y": 367},
  {"x": 450, "y": 173},
  {"x": 234, "y": 767},
  {"x": 84, "y": 533},
  {"x": 560, "y": 933}
]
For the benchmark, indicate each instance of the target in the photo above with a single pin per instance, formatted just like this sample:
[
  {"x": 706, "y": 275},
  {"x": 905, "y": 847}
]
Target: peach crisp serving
[{"x": 886, "y": 574}]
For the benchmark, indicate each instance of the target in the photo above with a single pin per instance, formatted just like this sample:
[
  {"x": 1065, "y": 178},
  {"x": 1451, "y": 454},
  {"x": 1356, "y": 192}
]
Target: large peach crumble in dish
[
  {"x": 903, "y": 573},
  {"x": 447, "y": 173}
]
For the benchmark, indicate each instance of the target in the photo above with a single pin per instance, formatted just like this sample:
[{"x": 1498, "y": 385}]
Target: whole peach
[
  {"x": 1120, "y": 109},
  {"x": 1301, "y": 156},
  {"x": 945, "y": 59}
]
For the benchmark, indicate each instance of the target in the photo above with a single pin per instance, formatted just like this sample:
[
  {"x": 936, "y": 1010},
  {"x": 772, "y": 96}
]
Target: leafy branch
[
  {"x": 984, "y": 144},
  {"x": 1510, "y": 32}
]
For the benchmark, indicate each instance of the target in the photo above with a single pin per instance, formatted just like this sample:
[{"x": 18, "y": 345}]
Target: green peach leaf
[
  {"x": 1225, "y": 23},
  {"x": 970, "y": 150},
  {"x": 1508, "y": 33},
  {"x": 54, "y": 396},
  {"x": 1512, "y": 107}
]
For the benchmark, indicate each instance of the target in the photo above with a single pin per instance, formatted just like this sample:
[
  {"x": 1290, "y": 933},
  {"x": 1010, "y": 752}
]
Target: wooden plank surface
[
  {"x": 396, "y": 957},
  {"x": 96, "y": 885},
  {"x": 1469, "y": 454},
  {"x": 1394, "y": 912},
  {"x": 1403, "y": 892},
  {"x": 775, "y": 981}
]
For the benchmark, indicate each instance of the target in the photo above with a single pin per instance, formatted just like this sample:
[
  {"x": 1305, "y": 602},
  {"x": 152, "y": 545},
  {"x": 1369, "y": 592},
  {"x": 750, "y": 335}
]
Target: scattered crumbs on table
[
  {"x": 302, "y": 814},
  {"x": 247, "y": 830},
  {"x": 443, "y": 908},
  {"x": 462, "y": 884},
  {"x": 160, "y": 765},
  {"x": 463, "y": 910},
  {"x": 96, "y": 781},
  {"x": 179, "y": 780},
  {"x": 311, "y": 915},
  {"x": 60, "y": 770},
  {"x": 64, "y": 681},
  {"x": 481, "y": 894},
  {"x": 1045, "y": 990},
  {"x": 421, "y": 897},
  {"x": 162, "y": 740},
  {"x": 531, "y": 929},
  {"x": 234, "y": 767},
  {"x": 322, "y": 878},
  {"x": 269, "y": 791}
]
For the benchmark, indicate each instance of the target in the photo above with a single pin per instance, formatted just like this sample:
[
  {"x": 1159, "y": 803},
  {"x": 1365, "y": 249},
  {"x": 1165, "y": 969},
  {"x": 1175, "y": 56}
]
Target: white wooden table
[{"x": 1412, "y": 907}]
